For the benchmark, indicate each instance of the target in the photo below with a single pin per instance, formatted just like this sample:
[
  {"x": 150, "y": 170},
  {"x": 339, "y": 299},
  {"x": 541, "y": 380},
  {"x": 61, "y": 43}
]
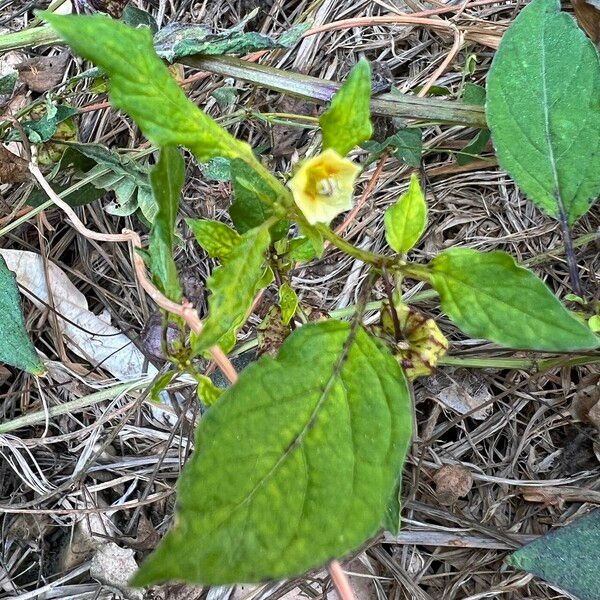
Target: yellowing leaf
[
  {"x": 347, "y": 123},
  {"x": 217, "y": 239},
  {"x": 406, "y": 220}
]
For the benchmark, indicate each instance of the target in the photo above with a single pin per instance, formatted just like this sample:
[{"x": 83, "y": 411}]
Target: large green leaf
[
  {"x": 567, "y": 556},
  {"x": 347, "y": 123},
  {"x": 543, "y": 109},
  {"x": 490, "y": 296},
  {"x": 167, "y": 180},
  {"x": 293, "y": 466},
  {"x": 233, "y": 286},
  {"x": 405, "y": 221},
  {"x": 141, "y": 85},
  {"x": 16, "y": 348}
]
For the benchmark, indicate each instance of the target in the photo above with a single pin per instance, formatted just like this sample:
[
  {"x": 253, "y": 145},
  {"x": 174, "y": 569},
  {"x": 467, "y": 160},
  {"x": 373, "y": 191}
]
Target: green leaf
[
  {"x": 543, "y": 110},
  {"x": 406, "y": 145},
  {"x": 141, "y": 86},
  {"x": 490, "y": 296},
  {"x": 566, "y": 556},
  {"x": 473, "y": 94},
  {"x": 288, "y": 301},
  {"x": 167, "y": 181},
  {"x": 233, "y": 287},
  {"x": 217, "y": 169},
  {"x": 16, "y": 348},
  {"x": 183, "y": 39},
  {"x": 160, "y": 385},
  {"x": 406, "y": 220},
  {"x": 294, "y": 465},
  {"x": 347, "y": 122},
  {"x": 208, "y": 393},
  {"x": 254, "y": 201},
  {"x": 119, "y": 173},
  {"x": 217, "y": 239},
  {"x": 134, "y": 16},
  {"x": 301, "y": 250},
  {"x": 43, "y": 129}
]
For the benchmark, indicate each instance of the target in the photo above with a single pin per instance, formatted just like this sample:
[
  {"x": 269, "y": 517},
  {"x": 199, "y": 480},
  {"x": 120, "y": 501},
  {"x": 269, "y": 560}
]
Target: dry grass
[{"x": 126, "y": 454}]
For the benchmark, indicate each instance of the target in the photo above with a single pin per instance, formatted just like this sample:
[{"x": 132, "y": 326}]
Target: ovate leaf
[
  {"x": 294, "y": 465},
  {"x": 217, "y": 239},
  {"x": 347, "y": 123},
  {"x": 543, "y": 110},
  {"x": 233, "y": 286},
  {"x": 566, "y": 556},
  {"x": 406, "y": 220},
  {"x": 16, "y": 348},
  {"x": 141, "y": 86},
  {"x": 406, "y": 145},
  {"x": 167, "y": 180},
  {"x": 490, "y": 296},
  {"x": 288, "y": 301}
]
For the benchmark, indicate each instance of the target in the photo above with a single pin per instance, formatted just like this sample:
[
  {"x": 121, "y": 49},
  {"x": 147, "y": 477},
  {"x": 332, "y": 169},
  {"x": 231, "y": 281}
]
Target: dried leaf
[
  {"x": 13, "y": 169},
  {"x": 588, "y": 17},
  {"x": 86, "y": 334},
  {"x": 43, "y": 72}
]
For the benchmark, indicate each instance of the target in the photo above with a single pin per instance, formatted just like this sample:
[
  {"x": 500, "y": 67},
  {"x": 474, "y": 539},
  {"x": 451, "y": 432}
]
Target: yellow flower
[{"x": 323, "y": 186}]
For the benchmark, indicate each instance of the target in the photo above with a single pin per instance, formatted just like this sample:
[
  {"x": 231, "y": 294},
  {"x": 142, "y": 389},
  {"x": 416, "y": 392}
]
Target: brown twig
[
  {"x": 185, "y": 310},
  {"x": 340, "y": 580}
]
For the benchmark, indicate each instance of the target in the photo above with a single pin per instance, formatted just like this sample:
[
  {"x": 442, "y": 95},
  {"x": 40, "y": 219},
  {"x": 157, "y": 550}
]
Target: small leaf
[
  {"x": 16, "y": 348},
  {"x": 406, "y": 220},
  {"x": 294, "y": 465},
  {"x": 183, "y": 39},
  {"x": 594, "y": 323},
  {"x": 134, "y": 16},
  {"x": 490, "y": 296},
  {"x": 167, "y": 181},
  {"x": 208, "y": 393},
  {"x": 473, "y": 94},
  {"x": 160, "y": 385},
  {"x": 301, "y": 250},
  {"x": 288, "y": 301},
  {"x": 543, "y": 110},
  {"x": 233, "y": 287},
  {"x": 566, "y": 556},
  {"x": 347, "y": 123},
  {"x": 141, "y": 86},
  {"x": 217, "y": 239},
  {"x": 406, "y": 145},
  {"x": 254, "y": 201},
  {"x": 45, "y": 128}
]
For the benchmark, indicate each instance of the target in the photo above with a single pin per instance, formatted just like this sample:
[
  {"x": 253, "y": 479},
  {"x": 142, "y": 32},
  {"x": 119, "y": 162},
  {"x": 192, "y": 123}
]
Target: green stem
[
  {"x": 348, "y": 311},
  {"x": 371, "y": 258},
  {"x": 29, "y": 38},
  {"x": 527, "y": 364},
  {"x": 287, "y": 82},
  {"x": 74, "y": 405},
  {"x": 321, "y": 91}
]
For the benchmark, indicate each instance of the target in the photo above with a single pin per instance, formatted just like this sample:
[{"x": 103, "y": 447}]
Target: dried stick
[
  {"x": 185, "y": 310},
  {"x": 340, "y": 580}
]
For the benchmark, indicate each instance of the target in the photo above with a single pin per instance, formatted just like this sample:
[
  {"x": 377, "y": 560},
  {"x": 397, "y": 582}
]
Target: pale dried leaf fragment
[
  {"x": 451, "y": 483},
  {"x": 86, "y": 334}
]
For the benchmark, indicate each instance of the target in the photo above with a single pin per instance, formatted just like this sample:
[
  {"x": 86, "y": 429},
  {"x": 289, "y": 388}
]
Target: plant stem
[
  {"x": 527, "y": 364},
  {"x": 371, "y": 258},
  {"x": 74, "y": 405},
  {"x": 321, "y": 91},
  {"x": 570, "y": 252},
  {"x": 28, "y": 38}
]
